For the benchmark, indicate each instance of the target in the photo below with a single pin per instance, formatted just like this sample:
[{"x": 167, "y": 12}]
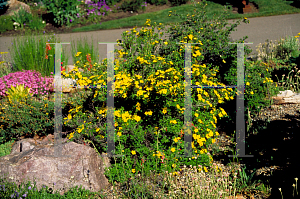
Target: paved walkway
[{"x": 258, "y": 30}]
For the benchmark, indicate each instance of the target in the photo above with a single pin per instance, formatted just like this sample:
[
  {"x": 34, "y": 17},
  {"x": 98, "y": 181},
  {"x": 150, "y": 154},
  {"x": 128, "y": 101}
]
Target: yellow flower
[
  {"x": 148, "y": 113},
  {"x": 196, "y": 114},
  {"x": 119, "y": 134},
  {"x": 205, "y": 169},
  {"x": 164, "y": 110},
  {"x": 173, "y": 150},
  {"x": 176, "y": 139},
  {"x": 197, "y": 53},
  {"x": 137, "y": 118},
  {"x": 247, "y": 83},
  {"x": 133, "y": 170},
  {"x": 165, "y": 43},
  {"x": 173, "y": 165},
  {"x": 138, "y": 106},
  {"x": 190, "y": 36},
  {"x": 71, "y": 135},
  {"x": 69, "y": 117},
  {"x": 133, "y": 152},
  {"x": 251, "y": 93},
  {"x": 173, "y": 122}
]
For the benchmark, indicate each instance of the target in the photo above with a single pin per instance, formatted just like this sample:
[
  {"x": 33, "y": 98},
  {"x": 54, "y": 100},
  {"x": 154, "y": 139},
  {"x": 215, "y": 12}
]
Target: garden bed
[{"x": 149, "y": 133}]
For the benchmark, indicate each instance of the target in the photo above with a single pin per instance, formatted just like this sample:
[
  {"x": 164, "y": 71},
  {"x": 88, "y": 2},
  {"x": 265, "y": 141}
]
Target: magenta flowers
[{"x": 31, "y": 79}]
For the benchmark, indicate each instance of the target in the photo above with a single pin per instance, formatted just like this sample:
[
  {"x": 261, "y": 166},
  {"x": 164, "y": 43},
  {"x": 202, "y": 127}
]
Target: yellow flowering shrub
[{"x": 149, "y": 103}]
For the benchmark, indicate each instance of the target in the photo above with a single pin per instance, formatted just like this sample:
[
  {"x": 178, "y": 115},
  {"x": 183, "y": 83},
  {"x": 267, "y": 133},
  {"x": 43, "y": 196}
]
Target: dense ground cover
[{"x": 149, "y": 102}]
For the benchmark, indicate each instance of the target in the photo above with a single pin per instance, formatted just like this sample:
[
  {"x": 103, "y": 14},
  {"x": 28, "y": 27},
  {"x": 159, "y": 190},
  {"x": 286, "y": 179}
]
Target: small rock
[
  {"x": 286, "y": 97},
  {"x": 286, "y": 93}
]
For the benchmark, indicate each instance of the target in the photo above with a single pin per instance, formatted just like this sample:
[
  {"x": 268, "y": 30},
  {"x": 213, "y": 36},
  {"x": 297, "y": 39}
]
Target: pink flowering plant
[{"x": 31, "y": 79}]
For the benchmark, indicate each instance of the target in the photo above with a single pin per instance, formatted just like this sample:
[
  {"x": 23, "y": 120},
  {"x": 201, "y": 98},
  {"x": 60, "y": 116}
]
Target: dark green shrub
[
  {"x": 178, "y": 2},
  {"x": 6, "y": 24},
  {"x": 112, "y": 2},
  {"x": 295, "y": 58},
  {"x": 36, "y": 23},
  {"x": 133, "y": 5},
  {"x": 64, "y": 11},
  {"x": 158, "y": 2},
  {"x": 30, "y": 2},
  {"x": 27, "y": 117}
]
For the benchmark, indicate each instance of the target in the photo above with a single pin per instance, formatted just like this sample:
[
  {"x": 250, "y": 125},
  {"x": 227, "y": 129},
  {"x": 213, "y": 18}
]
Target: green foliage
[
  {"x": 28, "y": 53},
  {"x": 5, "y": 149},
  {"x": 26, "y": 117},
  {"x": 133, "y": 5},
  {"x": 259, "y": 86},
  {"x": 178, "y": 2},
  {"x": 112, "y": 2},
  {"x": 158, "y": 2},
  {"x": 22, "y": 17},
  {"x": 287, "y": 47},
  {"x": 281, "y": 50},
  {"x": 6, "y": 23},
  {"x": 30, "y": 1},
  {"x": 214, "y": 39},
  {"x": 64, "y": 11},
  {"x": 85, "y": 49},
  {"x": 36, "y": 23},
  {"x": 295, "y": 58},
  {"x": 4, "y": 65},
  {"x": 30, "y": 190}
]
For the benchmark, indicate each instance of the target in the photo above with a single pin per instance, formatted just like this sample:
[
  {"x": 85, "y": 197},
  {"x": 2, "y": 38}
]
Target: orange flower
[
  {"x": 89, "y": 60},
  {"x": 48, "y": 47}
]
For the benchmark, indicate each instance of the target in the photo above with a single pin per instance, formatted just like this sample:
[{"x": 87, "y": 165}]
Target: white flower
[
  {"x": 16, "y": 24},
  {"x": 131, "y": 11}
]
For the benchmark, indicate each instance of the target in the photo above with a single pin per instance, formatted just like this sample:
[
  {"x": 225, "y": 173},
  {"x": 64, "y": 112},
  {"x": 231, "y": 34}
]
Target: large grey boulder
[
  {"x": 15, "y": 6},
  {"x": 75, "y": 165}
]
